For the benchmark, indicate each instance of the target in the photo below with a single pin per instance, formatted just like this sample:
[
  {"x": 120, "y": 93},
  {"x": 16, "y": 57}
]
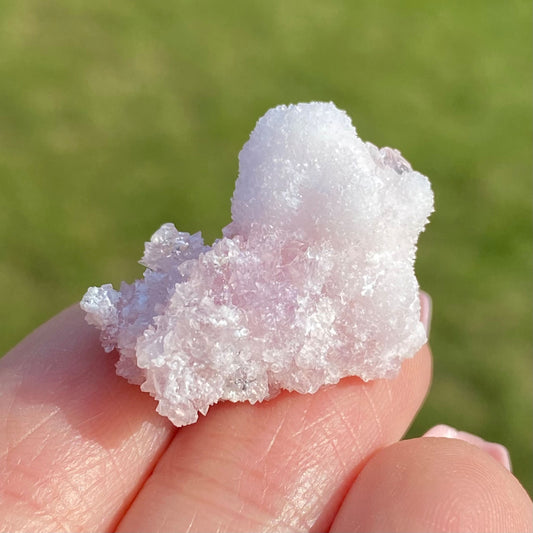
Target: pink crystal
[{"x": 312, "y": 281}]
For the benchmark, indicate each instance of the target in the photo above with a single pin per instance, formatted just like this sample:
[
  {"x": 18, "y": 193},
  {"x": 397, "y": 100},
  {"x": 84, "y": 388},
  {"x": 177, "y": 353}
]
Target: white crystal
[{"x": 312, "y": 281}]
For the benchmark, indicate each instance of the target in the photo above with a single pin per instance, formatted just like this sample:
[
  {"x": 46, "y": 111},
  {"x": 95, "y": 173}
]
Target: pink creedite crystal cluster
[{"x": 312, "y": 281}]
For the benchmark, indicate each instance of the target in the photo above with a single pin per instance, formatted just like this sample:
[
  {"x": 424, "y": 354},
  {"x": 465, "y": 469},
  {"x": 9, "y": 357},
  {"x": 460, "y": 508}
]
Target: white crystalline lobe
[
  {"x": 305, "y": 168},
  {"x": 312, "y": 281}
]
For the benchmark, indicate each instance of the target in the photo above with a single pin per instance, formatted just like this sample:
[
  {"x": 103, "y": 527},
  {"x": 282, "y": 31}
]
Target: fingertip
[{"x": 435, "y": 484}]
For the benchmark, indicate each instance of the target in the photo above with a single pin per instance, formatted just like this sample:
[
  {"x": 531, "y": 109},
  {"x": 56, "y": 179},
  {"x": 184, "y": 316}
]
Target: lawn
[{"x": 118, "y": 116}]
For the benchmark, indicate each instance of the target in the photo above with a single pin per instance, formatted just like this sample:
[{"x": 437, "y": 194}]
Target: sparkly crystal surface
[{"x": 312, "y": 281}]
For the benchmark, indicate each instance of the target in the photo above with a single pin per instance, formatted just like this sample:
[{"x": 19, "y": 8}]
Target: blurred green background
[{"x": 118, "y": 116}]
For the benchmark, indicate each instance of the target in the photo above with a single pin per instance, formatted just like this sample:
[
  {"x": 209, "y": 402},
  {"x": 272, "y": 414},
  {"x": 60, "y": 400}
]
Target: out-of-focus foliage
[{"x": 118, "y": 116}]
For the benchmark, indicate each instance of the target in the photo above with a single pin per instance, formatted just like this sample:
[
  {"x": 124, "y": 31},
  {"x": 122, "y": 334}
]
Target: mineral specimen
[{"x": 312, "y": 281}]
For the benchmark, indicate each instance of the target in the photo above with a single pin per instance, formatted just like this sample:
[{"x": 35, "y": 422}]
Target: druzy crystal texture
[{"x": 312, "y": 281}]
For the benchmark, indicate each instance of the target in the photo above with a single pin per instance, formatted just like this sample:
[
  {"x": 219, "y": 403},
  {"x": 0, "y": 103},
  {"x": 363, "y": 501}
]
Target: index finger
[{"x": 76, "y": 441}]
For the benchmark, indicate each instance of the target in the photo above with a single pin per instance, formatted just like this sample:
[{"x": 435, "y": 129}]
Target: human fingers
[
  {"x": 435, "y": 484},
  {"x": 76, "y": 441},
  {"x": 282, "y": 465}
]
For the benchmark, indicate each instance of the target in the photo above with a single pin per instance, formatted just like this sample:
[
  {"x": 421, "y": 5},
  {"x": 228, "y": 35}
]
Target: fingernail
[
  {"x": 426, "y": 310},
  {"x": 495, "y": 450},
  {"x": 442, "y": 430}
]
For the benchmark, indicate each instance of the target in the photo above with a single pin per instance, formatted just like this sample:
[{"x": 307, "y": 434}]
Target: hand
[{"x": 83, "y": 450}]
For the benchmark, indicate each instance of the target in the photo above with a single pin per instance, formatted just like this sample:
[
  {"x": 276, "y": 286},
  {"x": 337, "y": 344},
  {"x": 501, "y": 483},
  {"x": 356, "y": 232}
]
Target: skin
[{"x": 82, "y": 450}]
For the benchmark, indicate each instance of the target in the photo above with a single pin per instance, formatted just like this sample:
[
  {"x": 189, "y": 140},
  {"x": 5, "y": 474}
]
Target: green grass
[{"x": 118, "y": 116}]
